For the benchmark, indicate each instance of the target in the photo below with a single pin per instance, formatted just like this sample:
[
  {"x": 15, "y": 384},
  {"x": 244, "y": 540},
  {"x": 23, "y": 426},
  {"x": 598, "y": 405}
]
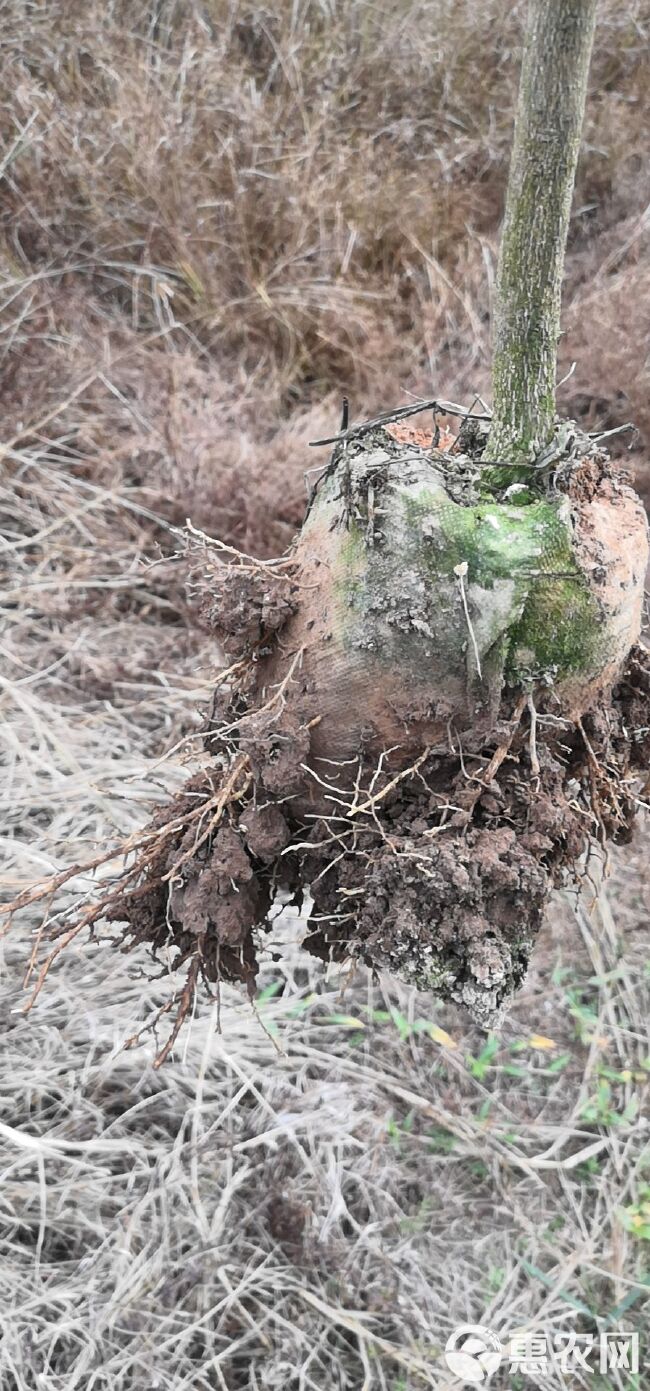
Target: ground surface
[{"x": 213, "y": 226}]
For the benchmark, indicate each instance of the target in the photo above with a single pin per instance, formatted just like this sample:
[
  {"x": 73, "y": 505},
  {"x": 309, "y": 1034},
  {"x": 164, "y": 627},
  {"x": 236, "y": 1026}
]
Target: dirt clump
[
  {"x": 245, "y": 606},
  {"x": 440, "y": 874}
]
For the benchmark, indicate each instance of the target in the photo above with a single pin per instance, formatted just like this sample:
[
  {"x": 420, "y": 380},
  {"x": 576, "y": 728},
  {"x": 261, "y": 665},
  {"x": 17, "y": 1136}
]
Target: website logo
[{"x": 473, "y": 1353}]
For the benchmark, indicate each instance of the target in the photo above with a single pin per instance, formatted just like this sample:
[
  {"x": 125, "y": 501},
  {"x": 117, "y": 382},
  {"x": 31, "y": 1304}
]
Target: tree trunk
[{"x": 549, "y": 118}]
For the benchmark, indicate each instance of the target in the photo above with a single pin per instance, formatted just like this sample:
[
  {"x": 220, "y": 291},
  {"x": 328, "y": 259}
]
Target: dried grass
[
  {"x": 318, "y": 1193},
  {"x": 215, "y": 221},
  {"x": 225, "y": 216}
]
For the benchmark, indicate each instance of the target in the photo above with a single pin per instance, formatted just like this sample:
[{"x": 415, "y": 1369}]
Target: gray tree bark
[{"x": 552, "y": 94}]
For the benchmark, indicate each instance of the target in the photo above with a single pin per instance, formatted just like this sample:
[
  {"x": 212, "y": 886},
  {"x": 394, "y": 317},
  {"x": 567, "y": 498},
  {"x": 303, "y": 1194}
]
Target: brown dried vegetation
[{"x": 215, "y": 217}]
